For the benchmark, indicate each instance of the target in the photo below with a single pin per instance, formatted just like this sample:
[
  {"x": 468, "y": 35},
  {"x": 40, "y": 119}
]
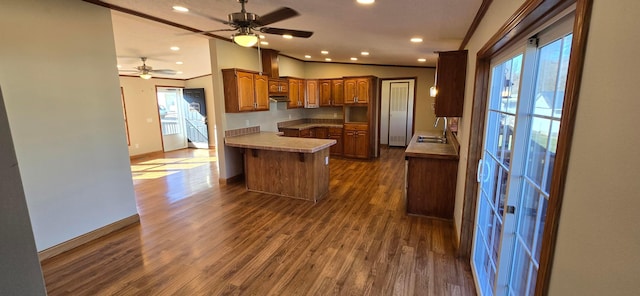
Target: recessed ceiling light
[
  {"x": 287, "y": 36},
  {"x": 328, "y": 59},
  {"x": 307, "y": 56},
  {"x": 119, "y": 66},
  {"x": 179, "y": 72},
  {"x": 416, "y": 39},
  {"x": 264, "y": 42},
  {"x": 180, "y": 8},
  {"x": 422, "y": 60},
  {"x": 354, "y": 59},
  {"x": 365, "y": 53},
  {"x": 366, "y": 1},
  {"x": 262, "y": 36},
  {"x": 179, "y": 63},
  {"x": 174, "y": 48},
  {"x": 324, "y": 52}
]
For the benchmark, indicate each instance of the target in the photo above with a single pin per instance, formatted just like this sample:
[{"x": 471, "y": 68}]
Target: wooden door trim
[{"x": 529, "y": 17}]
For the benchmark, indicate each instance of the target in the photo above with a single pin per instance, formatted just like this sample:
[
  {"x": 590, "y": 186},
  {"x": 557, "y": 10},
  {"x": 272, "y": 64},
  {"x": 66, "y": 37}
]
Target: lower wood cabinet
[
  {"x": 356, "y": 140},
  {"x": 335, "y": 133},
  {"x": 431, "y": 186}
]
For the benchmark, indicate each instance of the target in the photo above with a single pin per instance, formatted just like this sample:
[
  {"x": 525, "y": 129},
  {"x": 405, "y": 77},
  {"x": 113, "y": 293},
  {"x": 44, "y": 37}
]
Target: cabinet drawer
[{"x": 356, "y": 127}]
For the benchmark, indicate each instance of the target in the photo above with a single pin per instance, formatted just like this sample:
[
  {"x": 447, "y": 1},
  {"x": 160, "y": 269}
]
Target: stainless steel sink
[{"x": 432, "y": 139}]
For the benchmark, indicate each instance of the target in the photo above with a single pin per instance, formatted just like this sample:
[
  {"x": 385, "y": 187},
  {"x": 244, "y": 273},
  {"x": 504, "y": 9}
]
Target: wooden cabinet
[
  {"x": 335, "y": 133},
  {"x": 312, "y": 94},
  {"x": 356, "y": 140},
  {"x": 358, "y": 90},
  {"x": 431, "y": 186},
  {"x": 451, "y": 74},
  {"x": 296, "y": 93},
  {"x": 321, "y": 132},
  {"x": 331, "y": 92},
  {"x": 278, "y": 87},
  {"x": 245, "y": 91}
]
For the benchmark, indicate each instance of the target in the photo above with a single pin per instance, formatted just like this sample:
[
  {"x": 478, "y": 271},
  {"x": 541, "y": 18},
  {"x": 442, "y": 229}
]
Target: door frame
[
  {"x": 413, "y": 115},
  {"x": 531, "y": 15}
]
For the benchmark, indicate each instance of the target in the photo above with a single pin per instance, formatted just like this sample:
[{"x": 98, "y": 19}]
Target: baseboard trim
[
  {"x": 456, "y": 236},
  {"x": 143, "y": 155},
  {"x": 234, "y": 179},
  {"x": 87, "y": 237}
]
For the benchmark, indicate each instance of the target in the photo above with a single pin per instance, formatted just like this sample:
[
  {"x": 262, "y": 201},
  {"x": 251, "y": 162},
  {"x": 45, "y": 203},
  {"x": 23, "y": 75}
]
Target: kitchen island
[{"x": 286, "y": 166}]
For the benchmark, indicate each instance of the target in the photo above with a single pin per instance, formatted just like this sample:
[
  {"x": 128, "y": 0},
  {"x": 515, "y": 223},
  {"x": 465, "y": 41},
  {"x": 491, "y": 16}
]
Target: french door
[{"x": 521, "y": 128}]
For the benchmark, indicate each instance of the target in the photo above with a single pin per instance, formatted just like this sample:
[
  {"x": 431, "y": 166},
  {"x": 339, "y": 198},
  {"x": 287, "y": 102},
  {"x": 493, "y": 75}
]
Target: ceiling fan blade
[
  {"x": 276, "y": 16},
  {"x": 164, "y": 71},
  {"x": 294, "y": 33},
  {"x": 210, "y": 17},
  {"x": 129, "y": 71},
  {"x": 206, "y": 32}
]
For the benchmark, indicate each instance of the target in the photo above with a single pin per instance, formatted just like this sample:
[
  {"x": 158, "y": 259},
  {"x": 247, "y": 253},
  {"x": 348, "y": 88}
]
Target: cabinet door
[
  {"x": 284, "y": 87},
  {"x": 261, "y": 92},
  {"x": 350, "y": 91},
  {"x": 246, "y": 92},
  {"x": 274, "y": 86},
  {"x": 451, "y": 74},
  {"x": 312, "y": 94},
  {"x": 301, "y": 93},
  {"x": 349, "y": 148},
  {"x": 322, "y": 132},
  {"x": 337, "y": 148},
  {"x": 337, "y": 92},
  {"x": 325, "y": 93},
  {"x": 361, "y": 145},
  {"x": 363, "y": 93},
  {"x": 294, "y": 93}
]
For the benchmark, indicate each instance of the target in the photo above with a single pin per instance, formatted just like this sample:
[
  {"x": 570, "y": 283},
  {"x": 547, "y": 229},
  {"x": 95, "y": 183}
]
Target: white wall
[
  {"x": 598, "y": 247},
  {"x": 62, "y": 95},
  {"x": 141, "y": 103},
  {"x": 598, "y": 243}
]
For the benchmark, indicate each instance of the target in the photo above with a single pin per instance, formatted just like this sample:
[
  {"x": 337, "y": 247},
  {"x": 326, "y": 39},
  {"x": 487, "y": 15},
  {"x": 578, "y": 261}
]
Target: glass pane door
[
  {"x": 494, "y": 171},
  {"x": 543, "y": 124}
]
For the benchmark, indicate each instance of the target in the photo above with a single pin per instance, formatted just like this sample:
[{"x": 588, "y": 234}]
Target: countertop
[
  {"x": 304, "y": 126},
  {"x": 432, "y": 150},
  {"x": 273, "y": 141}
]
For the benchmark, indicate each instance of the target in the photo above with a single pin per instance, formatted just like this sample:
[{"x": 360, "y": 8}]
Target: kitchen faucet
[{"x": 444, "y": 131}]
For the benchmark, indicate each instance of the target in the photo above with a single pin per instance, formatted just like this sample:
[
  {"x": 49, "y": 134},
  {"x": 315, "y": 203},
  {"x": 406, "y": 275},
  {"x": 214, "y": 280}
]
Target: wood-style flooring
[{"x": 197, "y": 237}]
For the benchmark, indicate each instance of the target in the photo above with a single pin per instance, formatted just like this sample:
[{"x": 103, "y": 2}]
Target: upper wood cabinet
[
  {"x": 358, "y": 90},
  {"x": 451, "y": 74},
  {"x": 278, "y": 87},
  {"x": 296, "y": 93},
  {"x": 245, "y": 91},
  {"x": 331, "y": 92},
  {"x": 312, "y": 94}
]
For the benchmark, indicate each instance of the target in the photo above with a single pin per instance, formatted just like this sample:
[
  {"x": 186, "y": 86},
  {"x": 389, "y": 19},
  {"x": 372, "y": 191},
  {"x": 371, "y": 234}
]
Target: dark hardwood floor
[{"x": 196, "y": 237}]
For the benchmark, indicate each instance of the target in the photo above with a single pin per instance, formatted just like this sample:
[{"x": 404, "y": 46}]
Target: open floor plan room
[{"x": 196, "y": 237}]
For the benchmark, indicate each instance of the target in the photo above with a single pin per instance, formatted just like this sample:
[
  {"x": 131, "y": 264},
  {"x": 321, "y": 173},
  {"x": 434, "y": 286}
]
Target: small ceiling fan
[
  {"x": 246, "y": 23},
  {"x": 145, "y": 72}
]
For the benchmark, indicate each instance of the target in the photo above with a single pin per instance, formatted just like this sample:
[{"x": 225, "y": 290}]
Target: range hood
[{"x": 278, "y": 99}]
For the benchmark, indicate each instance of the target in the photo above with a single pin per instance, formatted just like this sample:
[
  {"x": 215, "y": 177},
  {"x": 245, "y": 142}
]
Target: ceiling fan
[
  {"x": 246, "y": 23},
  {"x": 145, "y": 72}
]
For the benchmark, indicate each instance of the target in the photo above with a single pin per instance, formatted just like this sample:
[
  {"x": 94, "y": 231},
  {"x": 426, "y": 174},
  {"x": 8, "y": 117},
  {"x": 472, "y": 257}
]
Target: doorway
[
  {"x": 397, "y": 104},
  {"x": 171, "y": 109},
  {"x": 196, "y": 118}
]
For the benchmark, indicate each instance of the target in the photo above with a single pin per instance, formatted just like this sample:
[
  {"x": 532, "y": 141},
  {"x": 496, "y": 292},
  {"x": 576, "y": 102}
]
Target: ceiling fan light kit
[
  {"x": 245, "y": 38},
  {"x": 145, "y": 76}
]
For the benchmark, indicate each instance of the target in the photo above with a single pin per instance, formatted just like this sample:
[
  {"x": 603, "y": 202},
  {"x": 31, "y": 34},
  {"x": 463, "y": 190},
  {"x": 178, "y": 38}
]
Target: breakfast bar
[{"x": 286, "y": 166}]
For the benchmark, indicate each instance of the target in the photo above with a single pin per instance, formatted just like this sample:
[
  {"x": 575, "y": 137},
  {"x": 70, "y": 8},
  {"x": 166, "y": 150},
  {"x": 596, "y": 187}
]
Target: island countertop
[
  {"x": 431, "y": 150},
  {"x": 273, "y": 141}
]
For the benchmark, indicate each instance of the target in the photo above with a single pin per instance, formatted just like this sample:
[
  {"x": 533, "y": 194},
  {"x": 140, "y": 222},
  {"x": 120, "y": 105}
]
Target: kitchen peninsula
[{"x": 292, "y": 167}]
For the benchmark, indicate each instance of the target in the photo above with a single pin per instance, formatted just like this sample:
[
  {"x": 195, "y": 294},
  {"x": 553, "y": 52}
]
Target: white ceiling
[{"x": 342, "y": 27}]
